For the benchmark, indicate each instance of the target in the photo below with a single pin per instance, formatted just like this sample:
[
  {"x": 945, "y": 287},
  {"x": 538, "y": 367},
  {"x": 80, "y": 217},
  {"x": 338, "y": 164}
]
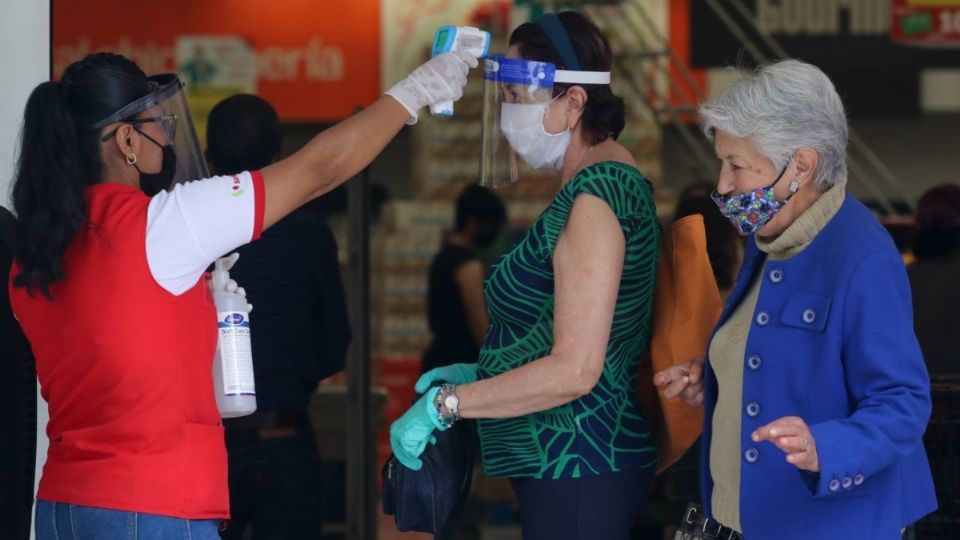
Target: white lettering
[
  {"x": 64, "y": 55},
  {"x": 950, "y": 22},
  {"x": 272, "y": 65},
  {"x": 323, "y": 63},
  {"x": 768, "y": 16},
  {"x": 818, "y": 16},
  {"x": 823, "y": 17},
  {"x": 292, "y": 63},
  {"x": 314, "y": 62},
  {"x": 150, "y": 57},
  {"x": 794, "y": 19},
  {"x": 311, "y": 62}
]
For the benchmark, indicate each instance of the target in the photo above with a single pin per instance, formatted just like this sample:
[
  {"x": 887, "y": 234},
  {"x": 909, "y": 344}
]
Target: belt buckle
[
  {"x": 732, "y": 534},
  {"x": 277, "y": 432},
  {"x": 706, "y": 523}
]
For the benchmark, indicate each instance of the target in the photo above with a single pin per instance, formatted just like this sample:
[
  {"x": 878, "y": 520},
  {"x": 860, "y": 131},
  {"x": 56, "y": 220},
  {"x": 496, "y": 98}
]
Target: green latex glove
[
  {"x": 411, "y": 433},
  {"x": 453, "y": 374}
]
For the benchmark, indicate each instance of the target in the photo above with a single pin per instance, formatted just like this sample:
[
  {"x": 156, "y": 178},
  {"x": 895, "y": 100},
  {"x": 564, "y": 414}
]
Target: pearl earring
[{"x": 794, "y": 186}]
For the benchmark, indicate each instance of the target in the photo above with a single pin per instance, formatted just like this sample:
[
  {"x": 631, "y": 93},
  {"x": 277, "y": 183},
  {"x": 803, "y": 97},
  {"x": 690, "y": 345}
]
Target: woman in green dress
[{"x": 570, "y": 309}]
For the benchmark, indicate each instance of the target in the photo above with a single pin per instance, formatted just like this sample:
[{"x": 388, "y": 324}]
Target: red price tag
[
  {"x": 926, "y": 22},
  {"x": 950, "y": 22}
]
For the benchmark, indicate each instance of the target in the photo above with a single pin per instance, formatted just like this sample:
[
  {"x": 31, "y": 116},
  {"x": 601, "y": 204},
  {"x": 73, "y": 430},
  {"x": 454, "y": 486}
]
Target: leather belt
[{"x": 268, "y": 419}]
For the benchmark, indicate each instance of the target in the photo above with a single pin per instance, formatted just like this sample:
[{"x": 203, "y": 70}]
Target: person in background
[
  {"x": 299, "y": 335},
  {"x": 815, "y": 393},
  {"x": 935, "y": 279},
  {"x": 455, "y": 307},
  {"x": 18, "y": 403},
  {"x": 114, "y": 233},
  {"x": 724, "y": 246},
  {"x": 456, "y": 310}
]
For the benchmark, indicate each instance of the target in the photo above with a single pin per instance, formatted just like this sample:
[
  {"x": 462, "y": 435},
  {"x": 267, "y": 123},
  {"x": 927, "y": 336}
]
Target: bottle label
[{"x": 236, "y": 358}]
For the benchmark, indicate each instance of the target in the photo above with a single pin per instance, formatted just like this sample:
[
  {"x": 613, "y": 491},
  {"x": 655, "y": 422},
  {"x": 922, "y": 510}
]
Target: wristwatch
[{"x": 448, "y": 404}]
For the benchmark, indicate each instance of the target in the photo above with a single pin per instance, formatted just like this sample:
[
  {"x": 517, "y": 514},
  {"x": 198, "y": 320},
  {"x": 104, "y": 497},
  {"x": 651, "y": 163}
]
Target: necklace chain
[{"x": 582, "y": 159}]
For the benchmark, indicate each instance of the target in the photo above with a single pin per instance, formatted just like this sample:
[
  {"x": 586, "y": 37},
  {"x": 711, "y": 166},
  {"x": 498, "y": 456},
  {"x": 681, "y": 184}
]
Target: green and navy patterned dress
[{"x": 604, "y": 431}]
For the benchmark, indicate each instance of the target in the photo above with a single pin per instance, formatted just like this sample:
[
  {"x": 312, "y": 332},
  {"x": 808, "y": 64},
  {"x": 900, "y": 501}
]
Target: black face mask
[
  {"x": 486, "y": 236},
  {"x": 153, "y": 183}
]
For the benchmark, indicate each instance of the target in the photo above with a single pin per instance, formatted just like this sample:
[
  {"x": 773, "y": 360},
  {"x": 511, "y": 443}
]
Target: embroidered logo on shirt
[{"x": 237, "y": 191}]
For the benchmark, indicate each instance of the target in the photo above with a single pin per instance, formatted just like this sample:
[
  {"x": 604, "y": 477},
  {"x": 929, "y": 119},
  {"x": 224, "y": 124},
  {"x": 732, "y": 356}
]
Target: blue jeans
[{"x": 61, "y": 521}]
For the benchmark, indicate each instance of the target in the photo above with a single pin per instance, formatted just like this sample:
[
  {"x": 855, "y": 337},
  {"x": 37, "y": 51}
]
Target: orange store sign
[{"x": 314, "y": 60}]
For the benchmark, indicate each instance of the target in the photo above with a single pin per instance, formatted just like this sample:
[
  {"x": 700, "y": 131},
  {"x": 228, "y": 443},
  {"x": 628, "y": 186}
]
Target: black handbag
[{"x": 430, "y": 500}]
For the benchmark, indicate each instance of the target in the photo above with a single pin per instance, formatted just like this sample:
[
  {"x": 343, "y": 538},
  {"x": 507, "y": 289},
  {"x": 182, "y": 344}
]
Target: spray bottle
[
  {"x": 233, "y": 382},
  {"x": 458, "y": 38}
]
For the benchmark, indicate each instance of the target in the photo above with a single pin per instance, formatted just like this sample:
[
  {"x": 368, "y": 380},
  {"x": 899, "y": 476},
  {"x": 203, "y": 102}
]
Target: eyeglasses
[{"x": 167, "y": 124}]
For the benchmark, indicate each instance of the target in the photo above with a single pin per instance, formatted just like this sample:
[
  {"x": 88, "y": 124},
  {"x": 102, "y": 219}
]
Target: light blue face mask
[{"x": 751, "y": 210}]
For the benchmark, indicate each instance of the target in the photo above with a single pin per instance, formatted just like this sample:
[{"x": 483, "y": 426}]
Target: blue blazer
[{"x": 832, "y": 342}]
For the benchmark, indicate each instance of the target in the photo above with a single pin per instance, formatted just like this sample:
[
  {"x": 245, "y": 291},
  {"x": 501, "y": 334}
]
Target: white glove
[
  {"x": 231, "y": 285},
  {"x": 234, "y": 288},
  {"x": 229, "y": 260},
  {"x": 439, "y": 79}
]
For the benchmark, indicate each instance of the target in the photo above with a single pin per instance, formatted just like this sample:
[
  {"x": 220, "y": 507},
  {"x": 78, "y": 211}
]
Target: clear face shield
[
  {"x": 165, "y": 108},
  {"x": 516, "y": 100},
  {"x": 511, "y": 87}
]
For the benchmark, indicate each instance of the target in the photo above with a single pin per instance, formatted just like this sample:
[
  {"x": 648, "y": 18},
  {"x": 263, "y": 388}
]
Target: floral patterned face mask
[{"x": 753, "y": 209}]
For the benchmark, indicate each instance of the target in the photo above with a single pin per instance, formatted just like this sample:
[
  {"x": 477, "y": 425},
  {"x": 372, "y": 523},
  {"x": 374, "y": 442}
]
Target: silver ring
[{"x": 806, "y": 444}]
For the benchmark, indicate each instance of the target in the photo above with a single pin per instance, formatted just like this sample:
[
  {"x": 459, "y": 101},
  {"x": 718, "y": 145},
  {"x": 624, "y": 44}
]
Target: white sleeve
[{"x": 193, "y": 224}]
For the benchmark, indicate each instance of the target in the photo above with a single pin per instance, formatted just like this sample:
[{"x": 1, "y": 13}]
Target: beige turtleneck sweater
[{"x": 728, "y": 350}]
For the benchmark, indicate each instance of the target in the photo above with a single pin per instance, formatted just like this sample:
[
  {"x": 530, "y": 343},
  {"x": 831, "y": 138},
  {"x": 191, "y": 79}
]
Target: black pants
[
  {"x": 275, "y": 485},
  {"x": 587, "y": 508}
]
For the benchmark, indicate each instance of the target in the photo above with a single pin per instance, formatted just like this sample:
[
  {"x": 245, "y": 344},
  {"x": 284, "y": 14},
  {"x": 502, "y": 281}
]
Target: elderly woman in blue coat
[{"x": 814, "y": 389}]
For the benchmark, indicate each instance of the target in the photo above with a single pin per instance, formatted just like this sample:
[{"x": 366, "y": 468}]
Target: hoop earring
[
  {"x": 132, "y": 159},
  {"x": 794, "y": 186}
]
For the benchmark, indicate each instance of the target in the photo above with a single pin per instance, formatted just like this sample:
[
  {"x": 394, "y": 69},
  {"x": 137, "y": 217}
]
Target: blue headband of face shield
[
  {"x": 528, "y": 73},
  {"x": 557, "y": 34},
  {"x": 534, "y": 74}
]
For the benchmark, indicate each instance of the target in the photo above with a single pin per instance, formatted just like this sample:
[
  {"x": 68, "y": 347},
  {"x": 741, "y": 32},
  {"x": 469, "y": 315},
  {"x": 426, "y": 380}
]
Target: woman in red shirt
[{"x": 108, "y": 284}]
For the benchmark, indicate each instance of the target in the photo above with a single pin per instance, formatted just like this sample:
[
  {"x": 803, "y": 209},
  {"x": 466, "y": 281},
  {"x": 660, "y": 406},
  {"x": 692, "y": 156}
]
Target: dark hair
[
  {"x": 481, "y": 204},
  {"x": 604, "y": 113},
  {"x": 60, "y": 156},
  {"x": 723, "y": 242},
  {"x": 938, "y": 223},
  {"x": 243, "y": 134}
]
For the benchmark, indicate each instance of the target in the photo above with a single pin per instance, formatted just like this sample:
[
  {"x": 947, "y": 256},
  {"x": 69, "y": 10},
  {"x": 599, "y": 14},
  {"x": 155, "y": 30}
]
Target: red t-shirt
[{"x": 124, "y": 351}]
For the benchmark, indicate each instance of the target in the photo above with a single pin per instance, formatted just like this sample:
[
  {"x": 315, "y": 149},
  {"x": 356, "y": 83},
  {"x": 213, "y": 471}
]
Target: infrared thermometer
[{"x": 451, "y": 38}]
